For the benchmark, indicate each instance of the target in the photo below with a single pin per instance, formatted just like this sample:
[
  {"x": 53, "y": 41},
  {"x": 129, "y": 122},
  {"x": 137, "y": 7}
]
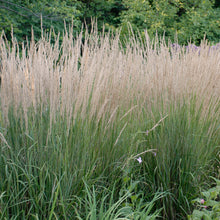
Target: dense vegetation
[
  {"x": 93, "y": 131},
  {"x": 188, "y": 20},
  {"x": 109, "y": 123}
]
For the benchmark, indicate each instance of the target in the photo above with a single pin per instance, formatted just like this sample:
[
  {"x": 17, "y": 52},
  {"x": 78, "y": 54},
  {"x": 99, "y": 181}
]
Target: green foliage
[
  {"x": 106, "y": 12},
  {"x": 41, "y": 170},
  {"x": 181, "y": 162},
  {"x": 188, "y": 20},
  {"x": 156, "y": 16},
  {"x": 199, "y": 20},
  {"x": 25, "y": 15},
  {"x": 207, "y": 207},
  {"x": 41, "y": 173},
  {"x": 129, "y": 205}
]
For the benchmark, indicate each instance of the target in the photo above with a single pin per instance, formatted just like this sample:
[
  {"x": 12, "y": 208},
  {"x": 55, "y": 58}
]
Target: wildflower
[
  {"x": 155, "y": 154},
  {"x": 202, "y": 201},
  {"x": 139, "y": 160},
  {"x": 147, "y": 132}
]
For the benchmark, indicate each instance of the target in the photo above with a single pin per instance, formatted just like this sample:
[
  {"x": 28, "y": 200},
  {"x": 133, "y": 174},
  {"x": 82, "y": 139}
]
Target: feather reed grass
[
  {"x": 99, "y": 74},
  {"x": 76, "y": 112}
]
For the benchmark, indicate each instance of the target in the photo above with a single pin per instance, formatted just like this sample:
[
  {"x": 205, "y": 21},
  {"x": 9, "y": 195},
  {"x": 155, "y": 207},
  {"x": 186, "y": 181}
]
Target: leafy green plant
[{"x": 208, "y": 206}]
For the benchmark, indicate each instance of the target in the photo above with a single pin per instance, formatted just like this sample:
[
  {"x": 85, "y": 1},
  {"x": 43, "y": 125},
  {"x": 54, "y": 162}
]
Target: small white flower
[{"x": 139, "y": 160}]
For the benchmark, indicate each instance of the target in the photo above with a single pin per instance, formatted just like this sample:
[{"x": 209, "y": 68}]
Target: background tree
[
  {"x": 26, "y": 14},
  {"x": 188, "y": 19}
]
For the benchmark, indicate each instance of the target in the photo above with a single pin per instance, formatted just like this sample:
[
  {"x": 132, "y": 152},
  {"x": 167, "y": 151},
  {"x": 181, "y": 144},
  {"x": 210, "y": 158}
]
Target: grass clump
[{"x": 92, "y": 131}]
